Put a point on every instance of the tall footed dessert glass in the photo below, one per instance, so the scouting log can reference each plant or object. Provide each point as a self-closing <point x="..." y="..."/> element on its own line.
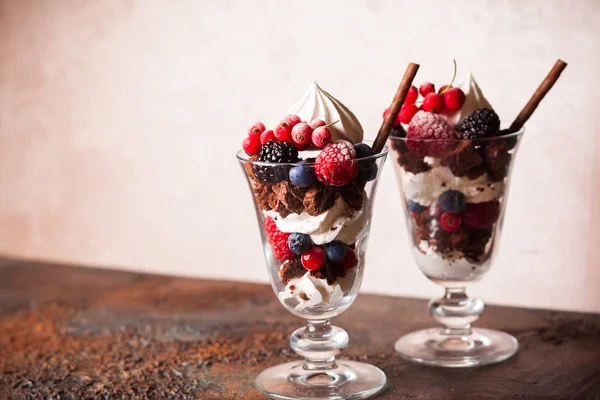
<point x="453" y="164"/>
<point x="313" y="181"/>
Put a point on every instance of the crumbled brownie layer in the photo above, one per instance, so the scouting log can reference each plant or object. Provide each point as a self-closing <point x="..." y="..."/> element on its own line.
<point x="286" y="198"/>
<point x="291" y="269"/>
<point x="497" y="158"/>
<point x="464" y="159"/>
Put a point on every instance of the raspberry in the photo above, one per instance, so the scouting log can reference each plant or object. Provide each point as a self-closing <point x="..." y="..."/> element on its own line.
<point x="321" y="136"/>
<point x="433" y="102"/>
<point x="481" y="123"/>
<point x="407" y="112"/>
<point x="350" y="260"/>
<point x="433" y="129"/>
<point x="313" y="259"/>
<point x="426" y="88"/>
<point x="292" y="119"/>
<point x="251" y="145"/>
<point x="267" y="136"/>
<point x="278" y="240"/>
<point x="256" y="129"/>
<point x="412" y="95"/>
<point x="481" y="215"/>
<point x="301" y="134"/>
<point x="283" y="132"/>
<point x="454" y="98"/>
<point x="275" y="152"/>
<point x="336" y="164"/>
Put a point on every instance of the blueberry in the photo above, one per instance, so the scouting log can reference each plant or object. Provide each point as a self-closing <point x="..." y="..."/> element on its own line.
<point x="368" y="175"/>
<point x="363" y="150"/>
<point x="302" y="175"/>
<point x="335" y="251"/>
<point x="299" y="243"/>
<point x="452" y="201"/>
<point x="415" y="207"/>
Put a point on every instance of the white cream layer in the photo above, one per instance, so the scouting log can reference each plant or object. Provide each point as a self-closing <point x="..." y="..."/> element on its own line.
<point x="340" y="222"/>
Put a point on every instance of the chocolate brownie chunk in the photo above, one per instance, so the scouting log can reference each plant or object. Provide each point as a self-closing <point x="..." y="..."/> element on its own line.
<point x="291" y="269"/>
<point x="353" y="195"/>
<point x="412" y="162"/>
<point x="497" y="159"/>
<point x="318" y="199"/>
<point x="463" y="158"/>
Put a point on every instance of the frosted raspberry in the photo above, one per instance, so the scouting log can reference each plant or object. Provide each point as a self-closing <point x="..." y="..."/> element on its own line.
<point x="336" y="164"/>
<point x="428" y="132"/>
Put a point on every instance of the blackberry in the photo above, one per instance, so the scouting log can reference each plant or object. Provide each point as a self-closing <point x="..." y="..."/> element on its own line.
<point x="275" y="153"/>
<point x="481" y="123"/>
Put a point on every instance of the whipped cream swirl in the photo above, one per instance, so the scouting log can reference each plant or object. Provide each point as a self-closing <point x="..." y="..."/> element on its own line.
<point x="317" y="103"/>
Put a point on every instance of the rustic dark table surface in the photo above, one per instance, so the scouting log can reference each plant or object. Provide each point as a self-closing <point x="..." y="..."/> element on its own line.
<point x="82" y="333"/>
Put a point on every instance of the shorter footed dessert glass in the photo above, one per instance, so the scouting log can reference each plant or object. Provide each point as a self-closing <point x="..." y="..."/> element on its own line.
<point x="454" y="195"/>
<point x="332" y="223"/>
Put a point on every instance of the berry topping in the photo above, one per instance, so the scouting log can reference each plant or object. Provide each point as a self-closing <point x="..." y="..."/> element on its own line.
<point x="302" y="175"/>
<point x="454" y="98"/>
<point x="267" y="136"/>
<point x="275" y="152"/>
<point x="369" y="173"/>
<point x="292" y="119"/>
<point x="315" y="123"/>
<point x="301" y="133"/>
<point x="313" y="259"/>
<point x="278" y="240"/>
<point x="256" y="129"/>
<point x="425" y="125"/>
<point x="433" y="102"/>
<point x="407" y="112"/>
<point x="350" y="260"/>
<point x="251" y="145"/>
<point x="452" y="201"/>
<point x="481" y="215"/>
<point x="450" y="222"/>
<point x="298" y="243"/>
<point x="398" y="131"/>
<point x="442" y="90"/>
<point x="283" y="132"/>
<point x="481" y="123"/>
<point x="426" y="88"/>
<point x="335" y="251"/>
<point x="414" y="207"/>
<point x="362" y="150"/>
<point x="321" y="136"/>
<point x="412" y="95"/>
<point x="335" y="164"/>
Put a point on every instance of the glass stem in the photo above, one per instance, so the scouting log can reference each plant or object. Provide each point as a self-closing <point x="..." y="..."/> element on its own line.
<point x="319" y="343"/>
<point x="456" y="311"/>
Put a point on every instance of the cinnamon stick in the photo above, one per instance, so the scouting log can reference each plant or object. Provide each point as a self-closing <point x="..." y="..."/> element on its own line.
<point x="392" y="114"/>
<point x="537" y="97"/>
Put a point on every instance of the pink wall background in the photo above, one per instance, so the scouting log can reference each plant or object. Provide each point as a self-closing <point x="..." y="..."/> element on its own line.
<point x="119" y="120"/>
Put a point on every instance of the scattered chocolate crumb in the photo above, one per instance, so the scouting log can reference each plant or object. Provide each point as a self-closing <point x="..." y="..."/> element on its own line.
<point x="292" y="287"/>
<point x="304" y="297"/>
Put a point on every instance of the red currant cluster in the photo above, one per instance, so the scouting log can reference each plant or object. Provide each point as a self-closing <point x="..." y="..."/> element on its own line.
<point x="290" y="129"/>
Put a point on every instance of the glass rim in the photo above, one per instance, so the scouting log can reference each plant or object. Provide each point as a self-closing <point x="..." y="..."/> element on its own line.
<point x="244" y="158"/>
<point x="460" y="140"/>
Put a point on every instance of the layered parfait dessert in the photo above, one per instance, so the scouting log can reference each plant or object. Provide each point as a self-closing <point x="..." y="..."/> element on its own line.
<point x="313" y="201"/>
<point x="452" y="165"/>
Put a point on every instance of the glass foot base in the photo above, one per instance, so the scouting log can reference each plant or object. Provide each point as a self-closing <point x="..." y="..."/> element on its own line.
<point x="350" y="380"/>
<point x="432" y="347"/>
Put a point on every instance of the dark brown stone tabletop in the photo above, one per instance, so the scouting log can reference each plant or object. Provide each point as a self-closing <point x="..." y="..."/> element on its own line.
<point x="83" y="333"/>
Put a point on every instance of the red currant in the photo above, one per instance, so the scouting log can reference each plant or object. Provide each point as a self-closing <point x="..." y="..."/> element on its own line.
<point x="350" y="260"/>
<point x="426" y="88"/>
<point x="433" y="102"/>
<point x="313" y="259"/>
<point x="450" y="222"/>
